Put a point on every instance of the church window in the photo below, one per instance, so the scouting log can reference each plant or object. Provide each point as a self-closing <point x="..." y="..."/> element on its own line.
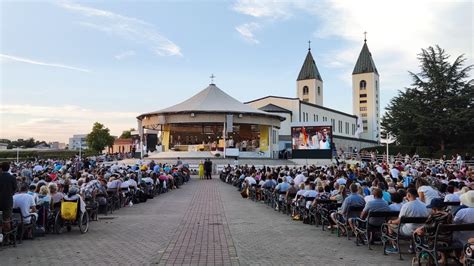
<point x="305" y="90"/>
<point x="363" y="108"/>
<point x="366" y="128"/>
<point x="347" y="128"/>
<point x="317" y="118"/>
<point x="364" y="121"/>
<point x="333" y="123"/>
<point x="363" y="95"/>
<point x="319" y="90"/>
<point x="363" y="101"/>
<point x="362" y="85"/>
<point x="314" y="118"/>
<point x="364" y="114"/>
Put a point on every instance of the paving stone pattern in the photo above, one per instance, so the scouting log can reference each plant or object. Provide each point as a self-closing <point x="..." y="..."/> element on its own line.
<point x="203" y="237"/>
<point x="205" y="222"/>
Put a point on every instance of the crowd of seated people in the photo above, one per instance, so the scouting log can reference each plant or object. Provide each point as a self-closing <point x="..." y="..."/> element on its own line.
<point x="362" y="199"/>
<point x="38" y="188"/>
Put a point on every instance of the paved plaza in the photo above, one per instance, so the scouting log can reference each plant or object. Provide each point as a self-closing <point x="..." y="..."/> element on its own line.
<point x="205" y="222"/>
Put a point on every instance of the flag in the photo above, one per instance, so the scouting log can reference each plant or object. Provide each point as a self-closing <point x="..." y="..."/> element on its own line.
<point x="360" y="127"/>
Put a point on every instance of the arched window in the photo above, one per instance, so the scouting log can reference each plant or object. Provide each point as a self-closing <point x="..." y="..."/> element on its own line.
<point x="305" y="90"/>
<point x="319" y="90"/>
<point x="362" y="84"/>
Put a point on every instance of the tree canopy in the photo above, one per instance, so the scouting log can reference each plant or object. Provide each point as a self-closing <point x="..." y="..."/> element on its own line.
<point x="437" y="109"/>
<point x="22" y="143"/>
<point x="99" y="138"/>
<point x="127" y="134"/>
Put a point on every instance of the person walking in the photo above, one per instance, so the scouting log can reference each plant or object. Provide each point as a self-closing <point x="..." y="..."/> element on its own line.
<point x="8" y="187"/>
<point x="208" y="168"/>
<point x="201" y="170"/>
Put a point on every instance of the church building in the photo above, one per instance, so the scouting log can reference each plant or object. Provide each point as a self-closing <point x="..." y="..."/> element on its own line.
<point x="357" y="130"/>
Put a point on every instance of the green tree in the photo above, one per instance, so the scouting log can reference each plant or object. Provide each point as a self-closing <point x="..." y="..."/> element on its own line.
<point x="99" y="138"/>
<point x="437" y="110"/>
<point x="127" y="134"/>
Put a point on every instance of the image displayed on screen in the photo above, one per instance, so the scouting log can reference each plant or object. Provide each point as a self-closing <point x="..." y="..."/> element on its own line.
<point x="311" y="138"/>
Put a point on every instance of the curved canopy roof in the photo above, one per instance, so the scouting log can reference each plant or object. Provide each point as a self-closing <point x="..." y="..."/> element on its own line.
<point x="212" y="100"/>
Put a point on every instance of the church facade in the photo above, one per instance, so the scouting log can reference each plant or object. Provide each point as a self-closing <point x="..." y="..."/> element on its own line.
<point x="357" y="130"/>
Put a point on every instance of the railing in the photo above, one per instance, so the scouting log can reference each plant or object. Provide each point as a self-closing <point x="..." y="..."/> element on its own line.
<point x="394" y="158"/>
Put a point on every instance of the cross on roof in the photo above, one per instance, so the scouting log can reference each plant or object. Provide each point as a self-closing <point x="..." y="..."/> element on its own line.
<point x="212" y="78"/>
<point x="309" y="45"/>
<point x="365" y="36"/>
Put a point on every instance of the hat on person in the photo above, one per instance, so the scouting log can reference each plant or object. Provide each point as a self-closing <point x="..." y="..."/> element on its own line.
<point x="437" y="203"/>
<point x="468" y="199"/>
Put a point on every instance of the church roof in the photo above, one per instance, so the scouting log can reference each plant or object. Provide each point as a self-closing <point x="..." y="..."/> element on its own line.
<point x="365" y="63"/>
<point x="274" y="109"/>
<point x="212" y="100"/>
<point x="309" y="70"/>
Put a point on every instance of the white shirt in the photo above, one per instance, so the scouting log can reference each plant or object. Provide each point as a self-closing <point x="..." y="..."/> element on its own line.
<point x="341" y="181"/>
<point x="369" y="198"/>
<point x="38" y="168"/>
<point x="24" y="202"/>
<point x="452" y="198"/>
<point x="250" y="180"/>
<point x="429" y="192"/>
<point x="395" y="173"/>
<point x="299" y="179"/>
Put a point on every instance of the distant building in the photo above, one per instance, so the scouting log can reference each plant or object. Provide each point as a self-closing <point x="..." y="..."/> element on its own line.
<point x="121" y="146"/>
<point x="55" y="145"/>
<point x="3" y="146"/>
<point x="78" y="141"/>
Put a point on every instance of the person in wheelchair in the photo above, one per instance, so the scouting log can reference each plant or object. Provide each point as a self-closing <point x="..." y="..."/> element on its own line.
<point x="73" y="195"/>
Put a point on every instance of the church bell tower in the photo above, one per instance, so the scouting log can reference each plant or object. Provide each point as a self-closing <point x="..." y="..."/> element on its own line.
<point x="366" y="94"/>
<point x="309" y="85"/>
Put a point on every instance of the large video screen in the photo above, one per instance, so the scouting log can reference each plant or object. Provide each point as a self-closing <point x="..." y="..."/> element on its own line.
<point x="311" y="141"/>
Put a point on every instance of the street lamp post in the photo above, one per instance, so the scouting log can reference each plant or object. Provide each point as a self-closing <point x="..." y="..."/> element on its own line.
<point x="17" y="154"/>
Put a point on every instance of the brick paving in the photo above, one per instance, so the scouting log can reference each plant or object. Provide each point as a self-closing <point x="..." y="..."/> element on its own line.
<point x="203" y="237"/>
<point x="205" y="222"/>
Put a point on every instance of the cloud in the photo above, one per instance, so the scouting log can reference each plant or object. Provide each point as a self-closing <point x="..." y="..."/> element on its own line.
<point x="125" y="54"/>
<point x="125" y="27"/>
<point x="397" y="30"/>
<point x="264" y="8"/>
<point x="247" y="31"/>
<point x="58" y="123"/>
<point x="34" y="62"/>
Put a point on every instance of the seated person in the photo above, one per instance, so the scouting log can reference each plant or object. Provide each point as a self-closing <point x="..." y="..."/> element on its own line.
<point x="353" y="200"/>
<point x="438" y="216"/>
<point x="465" y="216"/>
<point x="413" y="208"/>
<point x="311" y="193"/>
<point x="54" y="194"/>
<point x="73" y="194"/>
<point x="26" y="203"/>
<point x="43" y="196"/>
<point x="114" y="183"/>
<point x="377" y="204"/>
<point x="397" y="200"/>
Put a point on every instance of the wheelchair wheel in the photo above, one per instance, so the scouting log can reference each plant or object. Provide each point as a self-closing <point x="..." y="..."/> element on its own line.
<point x="84" y="223"/>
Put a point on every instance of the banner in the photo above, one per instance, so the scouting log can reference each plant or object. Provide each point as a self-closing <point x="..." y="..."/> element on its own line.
<point x="229" y="121"/>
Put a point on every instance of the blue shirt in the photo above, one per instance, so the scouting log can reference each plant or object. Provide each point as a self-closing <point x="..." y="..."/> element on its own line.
<point x="353" y="200"/>
<point x="282" y="187"/>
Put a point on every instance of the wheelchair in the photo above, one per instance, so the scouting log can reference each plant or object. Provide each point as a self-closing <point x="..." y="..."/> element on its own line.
<point x="81" y="220"/>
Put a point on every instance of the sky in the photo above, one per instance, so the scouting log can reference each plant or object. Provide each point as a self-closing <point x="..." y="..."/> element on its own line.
<point x="67" y="64"/>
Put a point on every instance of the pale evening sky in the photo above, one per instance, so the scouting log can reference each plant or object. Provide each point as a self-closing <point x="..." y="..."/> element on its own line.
<point x="67" y="64"/>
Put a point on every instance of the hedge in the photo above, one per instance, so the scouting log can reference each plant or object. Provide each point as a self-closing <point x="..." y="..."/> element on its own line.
<point x="42" y="154"/>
